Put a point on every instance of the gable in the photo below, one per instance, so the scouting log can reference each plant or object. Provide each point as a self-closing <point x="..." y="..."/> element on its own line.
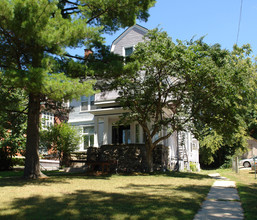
<point x="129" y="38"/>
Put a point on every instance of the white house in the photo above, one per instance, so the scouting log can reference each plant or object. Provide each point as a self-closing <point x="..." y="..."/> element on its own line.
<point x="95" y="116"/>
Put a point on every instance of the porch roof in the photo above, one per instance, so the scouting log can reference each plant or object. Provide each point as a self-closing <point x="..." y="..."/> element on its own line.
<point x="107" y="111"/>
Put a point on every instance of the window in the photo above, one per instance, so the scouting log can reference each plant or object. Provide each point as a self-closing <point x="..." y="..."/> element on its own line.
<point x="92" y="102"/>
<point x="47" y="120"/>
<point x="84" y="103"/>
<point x="87" y="103"/>
<point x="128" y="51"/>
<point x="88" y="137"/>
<point x="194" y="146"/>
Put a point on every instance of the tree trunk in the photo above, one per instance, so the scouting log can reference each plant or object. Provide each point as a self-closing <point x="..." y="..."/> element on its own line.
<point x="32" y="166"/>
<point x="149" y="159"/>
<point x="65" y="159"/>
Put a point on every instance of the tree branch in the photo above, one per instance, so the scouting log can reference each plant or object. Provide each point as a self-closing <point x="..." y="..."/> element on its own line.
<point x="98" y="15"/>
<point x="162" y="138"/>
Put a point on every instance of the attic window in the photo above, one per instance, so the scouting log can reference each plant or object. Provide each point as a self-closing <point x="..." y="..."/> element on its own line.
<point x="128" y="51"/>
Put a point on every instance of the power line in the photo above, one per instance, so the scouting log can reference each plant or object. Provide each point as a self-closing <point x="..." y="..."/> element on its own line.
<point x="239" y="22"/>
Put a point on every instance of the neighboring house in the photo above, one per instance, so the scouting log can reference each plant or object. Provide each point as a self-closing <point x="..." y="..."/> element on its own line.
<point x="95" y="116"/>
<point x="252" y="148"/>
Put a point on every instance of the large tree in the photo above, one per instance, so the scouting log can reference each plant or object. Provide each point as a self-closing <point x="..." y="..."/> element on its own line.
<point x="185" y="86"/>
<point x="34" y="35"/>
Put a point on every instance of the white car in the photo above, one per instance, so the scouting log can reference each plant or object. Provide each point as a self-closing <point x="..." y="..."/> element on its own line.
<point x="247" y="162"/>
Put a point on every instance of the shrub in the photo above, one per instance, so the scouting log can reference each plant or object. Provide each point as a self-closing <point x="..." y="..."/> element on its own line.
<point x="5" y="160"/>
<point x="18" y="161"/>
<point x="62" y="138"/>
<point x="193" y="167"/>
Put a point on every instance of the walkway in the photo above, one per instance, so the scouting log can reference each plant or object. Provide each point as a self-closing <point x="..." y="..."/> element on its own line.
<point x="222" y="201"/>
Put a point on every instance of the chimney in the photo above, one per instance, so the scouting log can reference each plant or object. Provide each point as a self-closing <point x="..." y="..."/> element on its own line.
<point x="87" y="53"/>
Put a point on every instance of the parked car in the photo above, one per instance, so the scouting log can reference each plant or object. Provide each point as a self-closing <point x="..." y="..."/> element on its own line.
<point x="247" y="162"/>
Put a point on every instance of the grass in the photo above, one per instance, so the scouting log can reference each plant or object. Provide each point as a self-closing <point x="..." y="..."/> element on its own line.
<point x="159" y="196"/>
<point x="246" y="186"/>
<point x="247" y="189"/>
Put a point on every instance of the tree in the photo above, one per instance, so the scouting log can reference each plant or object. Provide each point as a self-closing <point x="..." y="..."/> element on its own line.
<point x="217" y="149"/>
<point x="12" y="123"/>
<point x="34" y="35"/>
<point x="63" y="139"/>
<point x="168" y="87"/>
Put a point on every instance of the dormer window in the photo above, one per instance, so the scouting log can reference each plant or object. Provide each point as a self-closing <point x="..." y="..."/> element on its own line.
<point x="128" y="51"/>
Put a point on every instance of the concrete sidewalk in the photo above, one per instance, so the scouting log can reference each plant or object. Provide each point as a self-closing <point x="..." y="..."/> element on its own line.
<point x="222" y="201"/>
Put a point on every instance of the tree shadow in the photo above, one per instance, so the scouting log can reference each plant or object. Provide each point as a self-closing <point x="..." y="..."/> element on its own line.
<point x="15" y="178"/>
<point x="52" y="177"/>
<point x="186" y="175"/>
<point x="85" y="204"/>
<point x="248" y="197"/>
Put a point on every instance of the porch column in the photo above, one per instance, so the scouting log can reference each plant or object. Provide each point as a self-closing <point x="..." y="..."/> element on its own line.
<point x="105" y="134"/>
<point x="96" y="131"/>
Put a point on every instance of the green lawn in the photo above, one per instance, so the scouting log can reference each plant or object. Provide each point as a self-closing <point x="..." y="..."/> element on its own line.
<point x="164" y="196"/>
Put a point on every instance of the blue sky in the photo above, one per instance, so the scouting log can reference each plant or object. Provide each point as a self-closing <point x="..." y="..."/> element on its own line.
<point x="217" y="19"/>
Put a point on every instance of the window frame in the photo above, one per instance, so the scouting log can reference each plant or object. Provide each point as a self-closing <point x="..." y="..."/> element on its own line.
<point x="89" y="134"/>
<point x="47" y="120"/>
<point x="89" y="100"/>
<point x="124" y="50"/>
<point x="128" y="48"/>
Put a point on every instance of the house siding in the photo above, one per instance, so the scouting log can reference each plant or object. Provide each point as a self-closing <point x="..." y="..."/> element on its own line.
<point x="77" y="116"/>
<point x="133" y="37"/>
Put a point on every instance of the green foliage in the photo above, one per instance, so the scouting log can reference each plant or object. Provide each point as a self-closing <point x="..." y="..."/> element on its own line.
<point x="228" y="163"/>
<point x="188" y="85"/>
<point x="34" y="36"/>
<point x="211" y="144"/>
<point x="18" y="161"/>
<point x="12" y="123"/>
<point x="193" y="167"/>
<point x="62" y="138"/>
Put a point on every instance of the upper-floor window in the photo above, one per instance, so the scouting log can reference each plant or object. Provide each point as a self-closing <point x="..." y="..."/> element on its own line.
<point x="87" y="103"/>
<point x="128" y="51"/>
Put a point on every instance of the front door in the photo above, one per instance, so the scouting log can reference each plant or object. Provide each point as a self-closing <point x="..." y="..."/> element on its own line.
<point x="121" y="134"/>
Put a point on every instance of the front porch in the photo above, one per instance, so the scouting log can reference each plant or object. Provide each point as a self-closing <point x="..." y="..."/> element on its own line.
<point x="107" y="131"/>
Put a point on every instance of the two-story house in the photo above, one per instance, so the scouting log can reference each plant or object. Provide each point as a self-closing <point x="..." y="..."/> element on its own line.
<point x="95" y="116"/>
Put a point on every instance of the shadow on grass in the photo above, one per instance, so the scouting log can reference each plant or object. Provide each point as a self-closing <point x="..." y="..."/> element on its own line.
<point x="83" y="204"/>
<point x="248" y="198"/>
<point x="187" y="175"/>
<point x="15" y="178"/>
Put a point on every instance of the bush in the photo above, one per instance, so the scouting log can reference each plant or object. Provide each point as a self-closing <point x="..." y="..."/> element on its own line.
<point x="193" y="167"/>
<point x="18" y="161"/>
<point x="227" y="163"/>
<point x="5" y="161"/>
<point x="63" y="139"/>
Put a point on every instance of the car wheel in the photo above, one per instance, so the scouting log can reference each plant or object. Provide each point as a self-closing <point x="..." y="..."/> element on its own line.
<point x="247" y="164"/>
